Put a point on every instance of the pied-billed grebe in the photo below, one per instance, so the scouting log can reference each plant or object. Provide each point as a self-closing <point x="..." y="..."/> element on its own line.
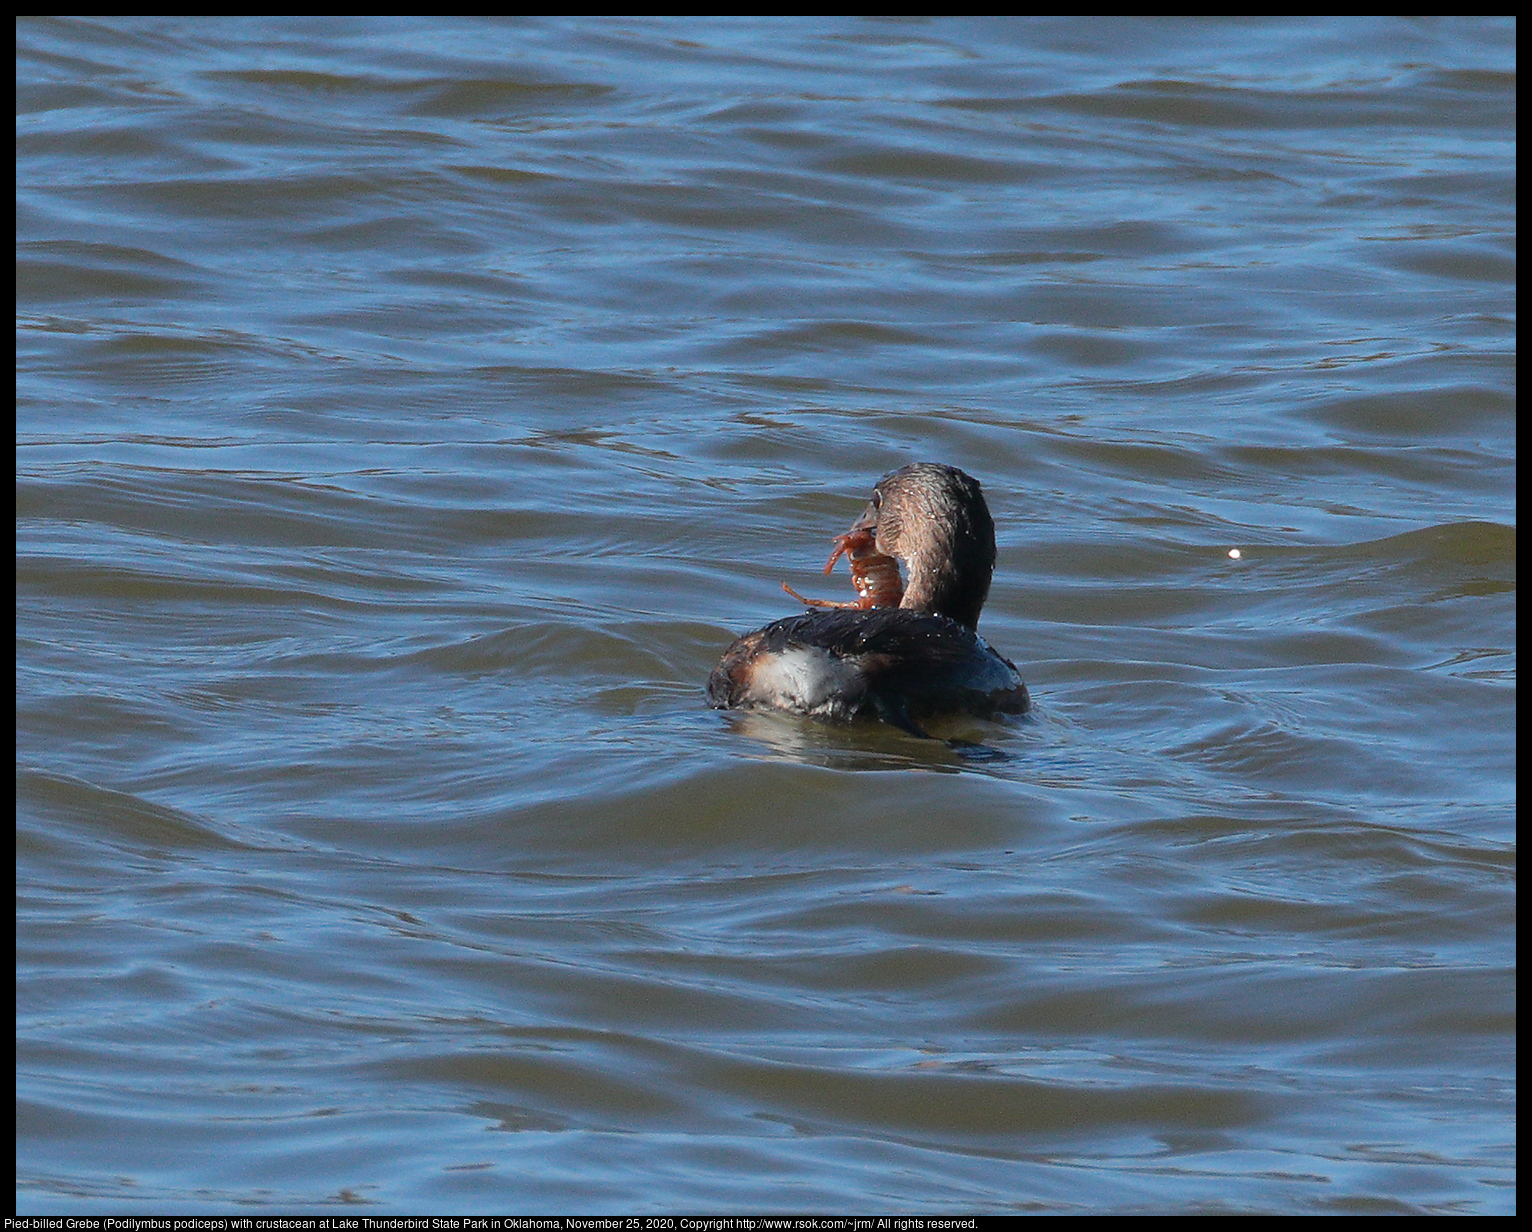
<point x="920" y="658"/>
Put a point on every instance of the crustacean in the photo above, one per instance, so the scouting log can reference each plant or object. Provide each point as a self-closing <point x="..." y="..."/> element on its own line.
<point x="875" y="576"/>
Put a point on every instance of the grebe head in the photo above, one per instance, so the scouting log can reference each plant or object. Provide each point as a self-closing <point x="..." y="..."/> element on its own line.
<point x="933" y="518"/>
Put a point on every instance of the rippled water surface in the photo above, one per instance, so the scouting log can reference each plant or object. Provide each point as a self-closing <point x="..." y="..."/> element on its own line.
<point x="412" y="410"/>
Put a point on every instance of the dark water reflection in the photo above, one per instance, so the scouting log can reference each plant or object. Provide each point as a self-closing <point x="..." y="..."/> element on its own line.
<point x="411" y="410"/>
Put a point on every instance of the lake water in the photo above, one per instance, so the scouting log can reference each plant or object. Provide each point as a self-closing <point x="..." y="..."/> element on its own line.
<point x="411" y="410"/>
